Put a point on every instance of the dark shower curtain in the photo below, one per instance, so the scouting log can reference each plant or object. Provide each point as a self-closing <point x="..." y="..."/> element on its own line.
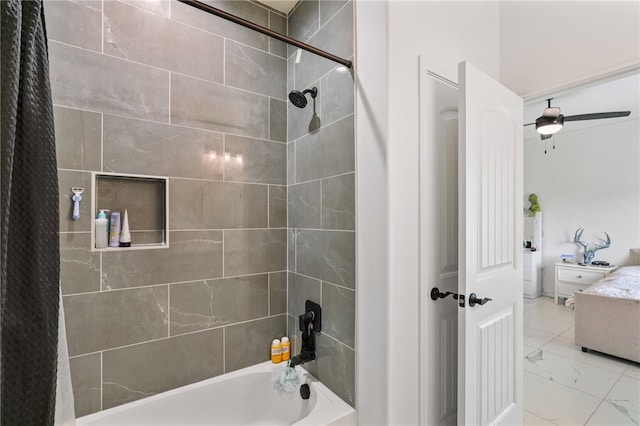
<point x="29" y="256"/>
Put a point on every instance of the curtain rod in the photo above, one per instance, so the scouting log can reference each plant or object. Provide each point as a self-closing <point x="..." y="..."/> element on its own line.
<point x="265" y="31"/>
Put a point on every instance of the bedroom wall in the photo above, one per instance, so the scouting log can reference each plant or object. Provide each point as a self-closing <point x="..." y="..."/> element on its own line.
<point x="591" y="180"/>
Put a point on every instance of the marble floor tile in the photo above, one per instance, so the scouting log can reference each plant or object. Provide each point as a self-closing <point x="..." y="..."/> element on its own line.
<point x="565" y="346"/>
<point x="625" y="399"/>
<point x="541" y="321"/>
<point x="556" y="403"/>
<point x="531" y="419"/>
<point x="575" y="374"/>
<point x="535" y="337"/>
<point x="633" y="371"/>
<point x="565" y="386"/>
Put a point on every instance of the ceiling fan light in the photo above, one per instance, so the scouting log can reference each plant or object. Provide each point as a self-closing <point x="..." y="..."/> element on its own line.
<point x="549" y="125"/>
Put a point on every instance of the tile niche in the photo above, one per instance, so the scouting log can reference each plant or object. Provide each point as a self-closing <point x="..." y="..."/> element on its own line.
<point x="144" y="198"/>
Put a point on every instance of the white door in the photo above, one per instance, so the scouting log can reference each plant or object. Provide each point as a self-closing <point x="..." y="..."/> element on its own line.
<point x="438" y="248"/>
<point x="490" y="255"/>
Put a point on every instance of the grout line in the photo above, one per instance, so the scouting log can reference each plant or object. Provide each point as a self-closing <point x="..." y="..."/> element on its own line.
<point x="101" y="380"/>
<point x="172" y="283"/>
<point x="223" y="251"/>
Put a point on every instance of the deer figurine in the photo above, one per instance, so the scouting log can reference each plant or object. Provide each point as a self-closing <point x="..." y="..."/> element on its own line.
<point x="590" y="253"/>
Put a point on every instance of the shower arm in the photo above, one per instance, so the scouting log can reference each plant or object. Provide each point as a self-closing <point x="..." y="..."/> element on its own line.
<point x="266" y="31"/>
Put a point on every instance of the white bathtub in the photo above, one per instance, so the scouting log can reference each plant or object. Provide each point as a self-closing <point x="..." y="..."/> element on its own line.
<point x="243" y="397"/>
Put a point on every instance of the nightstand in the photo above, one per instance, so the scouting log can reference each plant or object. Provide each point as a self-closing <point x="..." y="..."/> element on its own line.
<point x="571" y="277"/>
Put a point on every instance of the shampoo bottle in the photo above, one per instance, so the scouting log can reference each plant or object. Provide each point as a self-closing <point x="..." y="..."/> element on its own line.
<point x="114" y="230"/>
<point x="286" y="348"/>
<point x="102" y="229"/>
<point x="276" y="351"/>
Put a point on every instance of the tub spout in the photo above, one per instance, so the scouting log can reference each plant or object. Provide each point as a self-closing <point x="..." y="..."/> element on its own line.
<point x="304" y="356"/>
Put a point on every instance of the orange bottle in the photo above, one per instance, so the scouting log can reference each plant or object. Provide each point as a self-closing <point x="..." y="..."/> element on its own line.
<point x="276" y="351"/>
<point x="286" y="348"/>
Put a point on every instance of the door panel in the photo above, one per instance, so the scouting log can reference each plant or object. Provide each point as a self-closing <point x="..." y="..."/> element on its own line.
<point x="438" y="249"/>
<point x="490" y="229"/>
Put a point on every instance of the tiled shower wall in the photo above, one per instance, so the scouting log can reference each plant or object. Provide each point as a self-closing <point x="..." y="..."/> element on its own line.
<point x="153" y="88"/>
<point x="321" y="190"/>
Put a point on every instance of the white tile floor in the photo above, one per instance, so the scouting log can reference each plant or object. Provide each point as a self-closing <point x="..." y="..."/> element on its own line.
<point x="565" y="386"/>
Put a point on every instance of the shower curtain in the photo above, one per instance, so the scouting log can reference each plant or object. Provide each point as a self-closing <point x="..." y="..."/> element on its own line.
<point x="29" y="244"/>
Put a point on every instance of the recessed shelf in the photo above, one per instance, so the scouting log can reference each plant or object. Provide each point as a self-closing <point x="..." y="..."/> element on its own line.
<point x="146" y="200"/>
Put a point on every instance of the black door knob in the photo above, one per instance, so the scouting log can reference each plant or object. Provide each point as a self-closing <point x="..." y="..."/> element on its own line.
<point x="474" y="300"/>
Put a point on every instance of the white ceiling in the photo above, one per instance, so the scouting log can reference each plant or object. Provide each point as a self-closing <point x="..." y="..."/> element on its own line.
<point x="622" y="94"/>
<point x="284" y="6"/>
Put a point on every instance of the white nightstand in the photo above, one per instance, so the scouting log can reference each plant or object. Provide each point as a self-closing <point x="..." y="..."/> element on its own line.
<point x="572" y="277"/>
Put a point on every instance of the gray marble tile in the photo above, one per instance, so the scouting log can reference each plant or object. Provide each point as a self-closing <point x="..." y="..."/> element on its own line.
<point x="98" y="321"/>
<point x="291" y="68"/>
<point x="277" y="23"/>
<point x="213" y="303"/>
<point x="277" y="293"/>
<point x="147" y="237"/>
<point x="338" y="313"/>
<point x="304" y="21"/>
<point x="88" y="80"/>
<point x="79" y="267"/>
<point x="261" y="161"/>
<point x="338" y="202"/>
<point x="151" y="39"/>
<point x="303" y="121"/>
<point x="291" y="163"/>
<point x="254" y="251"/>
<point x="254" y="70"/>
<point x="304" y="205"/>
<point x="278" y="120"/>
<point x="336" y="36"/>
<point x="86" y="31"/>
<point x="196" y="204"/>
<point x="277" y="206"/>
<point x="294" y="334"/>
<point x="143" y="199"/>
<point x="249" y="343"/>
<point x="291" y="250"/>
<point x="86" y="373"/>
<point x="149" y="148"/>
<point x="160" y="7"/>
<point x="336" y="91"/>
<point x="244" y="9"/>
<point x="138" y="371"/>
<point x="328" y="152"/>
<point x="301" y="289"/>
<point x="335" y="367"/>
<point x="78" y="138"/>
<point x="327" y="255"/>
<point x="205" y="105"/>
<point x="328" y="8"/>
<point x="192" y="255"/>
<point x="67" y="180"/>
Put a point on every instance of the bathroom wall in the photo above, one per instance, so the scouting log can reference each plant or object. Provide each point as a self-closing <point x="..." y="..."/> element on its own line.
<point x="321" y="190"/>
<point x="154" y="88"/>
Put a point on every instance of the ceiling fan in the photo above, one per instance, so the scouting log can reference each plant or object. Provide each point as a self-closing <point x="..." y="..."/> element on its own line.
<point x="552" y="120"/>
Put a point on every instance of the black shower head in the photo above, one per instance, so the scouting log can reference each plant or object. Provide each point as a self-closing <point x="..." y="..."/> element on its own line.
<point x="299" y="99"/>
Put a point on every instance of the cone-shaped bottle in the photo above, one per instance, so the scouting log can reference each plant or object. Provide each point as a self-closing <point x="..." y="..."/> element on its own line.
<point x="125" y="235"/>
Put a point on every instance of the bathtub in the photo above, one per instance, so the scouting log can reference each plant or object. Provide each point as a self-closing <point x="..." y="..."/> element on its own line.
<point x="243" y="397"/>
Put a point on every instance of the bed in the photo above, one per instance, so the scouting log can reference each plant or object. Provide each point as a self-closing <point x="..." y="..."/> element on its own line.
<point x="607" y="315"/>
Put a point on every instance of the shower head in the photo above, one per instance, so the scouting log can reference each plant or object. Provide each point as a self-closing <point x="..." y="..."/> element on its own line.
<point x="299" y="99"/>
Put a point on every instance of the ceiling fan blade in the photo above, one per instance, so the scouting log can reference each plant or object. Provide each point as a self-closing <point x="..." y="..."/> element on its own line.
<point x="597" y="115"/>
<point x="529" y="124"/>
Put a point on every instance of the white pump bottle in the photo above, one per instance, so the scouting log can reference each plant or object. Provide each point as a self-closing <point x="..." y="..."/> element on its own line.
<point x="102" y="230"/>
